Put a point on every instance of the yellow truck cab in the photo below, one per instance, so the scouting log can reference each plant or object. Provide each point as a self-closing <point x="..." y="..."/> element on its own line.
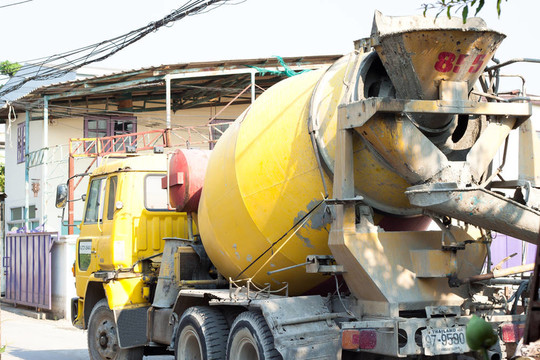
<point x="125" y="220"/>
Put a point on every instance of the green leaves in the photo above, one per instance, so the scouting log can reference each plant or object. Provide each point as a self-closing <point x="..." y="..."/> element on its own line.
<point x="2" y="186"/>
<point x="465" y="13"/>
<point x="9" y="68"/>
<point x="480" y="6"/>
<point x="454" y="6"/>
<point x="499" y="7"/>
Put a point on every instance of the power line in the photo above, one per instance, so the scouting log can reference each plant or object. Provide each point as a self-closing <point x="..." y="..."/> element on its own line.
<point x="60" y="64"/>
<point x="17" y="3"/>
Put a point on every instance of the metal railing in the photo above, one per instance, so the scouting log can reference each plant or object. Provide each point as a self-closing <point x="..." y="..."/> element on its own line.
<point x="95" y="147"/>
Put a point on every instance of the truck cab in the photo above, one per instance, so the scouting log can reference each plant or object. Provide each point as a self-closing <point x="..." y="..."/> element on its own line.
<point x="126" y="217"/>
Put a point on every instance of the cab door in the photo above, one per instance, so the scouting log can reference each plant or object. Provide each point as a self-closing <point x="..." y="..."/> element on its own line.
<point x="94" y="239"/>
<point x="107" y="240"/>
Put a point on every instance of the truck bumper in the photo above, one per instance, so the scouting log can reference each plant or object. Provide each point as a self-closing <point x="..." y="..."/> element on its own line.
<point x="405" y="337"/>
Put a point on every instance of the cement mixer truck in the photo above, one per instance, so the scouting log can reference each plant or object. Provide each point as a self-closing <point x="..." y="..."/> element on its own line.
<point x="303" y="234"/>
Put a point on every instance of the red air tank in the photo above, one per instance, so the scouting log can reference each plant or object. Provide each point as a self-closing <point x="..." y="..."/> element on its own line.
<point x="187" y="168"/>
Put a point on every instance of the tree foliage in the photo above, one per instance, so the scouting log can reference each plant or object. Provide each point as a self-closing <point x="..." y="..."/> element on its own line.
<point x="9" y="68"/>
<point x="457" y="6"/>
<point x="2" y="178"/>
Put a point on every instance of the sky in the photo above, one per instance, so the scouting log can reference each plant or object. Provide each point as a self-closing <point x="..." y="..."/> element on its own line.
<point x="248" y="29"/>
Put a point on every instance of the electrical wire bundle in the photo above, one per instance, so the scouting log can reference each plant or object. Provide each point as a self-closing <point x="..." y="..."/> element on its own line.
<point x="60" y="64"/>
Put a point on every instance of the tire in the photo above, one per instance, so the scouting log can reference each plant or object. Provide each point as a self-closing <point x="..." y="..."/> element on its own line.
<point x="250" y="339"/>
<point x="102" y="336"/>
<point x="231" y="313"/>
<point x="202" y="335"/>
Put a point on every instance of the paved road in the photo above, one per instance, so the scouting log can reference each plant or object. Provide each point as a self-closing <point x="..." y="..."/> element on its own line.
<point x="30" y="339"/>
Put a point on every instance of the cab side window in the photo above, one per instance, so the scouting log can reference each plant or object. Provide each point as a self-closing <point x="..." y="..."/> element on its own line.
<point x="155" y="198"/>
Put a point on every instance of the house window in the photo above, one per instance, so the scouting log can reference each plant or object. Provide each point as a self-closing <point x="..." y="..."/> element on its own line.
<point x="217" y="128"/>
<point x="104" y="125"/>
<point x="21" y="142"/>
<point x="17" y="218"/>
<point x="99" y="126"/>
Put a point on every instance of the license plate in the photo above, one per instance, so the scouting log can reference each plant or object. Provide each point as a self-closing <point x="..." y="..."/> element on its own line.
<point x="440" y="341"/>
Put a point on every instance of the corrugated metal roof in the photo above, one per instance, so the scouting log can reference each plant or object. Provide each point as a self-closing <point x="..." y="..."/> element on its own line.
<point x="34" y="91"/>
<point x="196" y="84"/>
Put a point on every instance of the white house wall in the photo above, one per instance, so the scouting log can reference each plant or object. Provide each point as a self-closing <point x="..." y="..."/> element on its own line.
<point x="60" y="131"/>
<point x="15" y="173"/>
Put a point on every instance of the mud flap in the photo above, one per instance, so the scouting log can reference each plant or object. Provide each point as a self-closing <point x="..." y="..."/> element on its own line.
<point x="131" y="326"/>
<point x="302" y="327"/>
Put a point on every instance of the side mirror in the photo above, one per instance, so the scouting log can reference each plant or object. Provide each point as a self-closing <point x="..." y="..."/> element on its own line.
<point x="61" y="196"/>
<point x="83" y="197"/>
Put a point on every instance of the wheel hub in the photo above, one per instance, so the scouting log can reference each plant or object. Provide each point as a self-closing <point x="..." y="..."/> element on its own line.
<point x="106" y="338"/>
<point x="103" y="340"/>
<point x="247" y="349"/>
<point x="190" y="345"/>
<point x="244" y="346"/>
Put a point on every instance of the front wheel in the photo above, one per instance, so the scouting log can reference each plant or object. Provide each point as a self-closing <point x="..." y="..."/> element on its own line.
<point x="251" y="339"/>
<point x="103" y="339"/>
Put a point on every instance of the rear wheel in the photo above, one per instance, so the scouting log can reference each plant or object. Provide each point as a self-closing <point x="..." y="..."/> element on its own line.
<point x="103" y="339"/>
<point x="202" y="334"/>
<point x="251" y="339"/>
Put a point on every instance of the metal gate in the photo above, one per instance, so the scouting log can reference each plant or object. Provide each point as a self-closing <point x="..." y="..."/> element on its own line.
<point x="27" y="264"/>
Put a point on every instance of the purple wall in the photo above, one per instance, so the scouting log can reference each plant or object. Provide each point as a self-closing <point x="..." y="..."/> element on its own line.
<point x="503" y="246"/>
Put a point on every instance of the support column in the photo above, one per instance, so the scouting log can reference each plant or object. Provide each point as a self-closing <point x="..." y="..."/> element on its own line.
<point x="252" y="87"/>
<point x="44" y="175"/>
<point x="71" y="192"/>
<point x="168" y="108"/>
<point x="26" y="171"/>
<point x="168" y="99"/>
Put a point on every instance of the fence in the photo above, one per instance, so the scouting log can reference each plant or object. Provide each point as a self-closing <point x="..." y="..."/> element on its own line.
<point x="27" y="264"/>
